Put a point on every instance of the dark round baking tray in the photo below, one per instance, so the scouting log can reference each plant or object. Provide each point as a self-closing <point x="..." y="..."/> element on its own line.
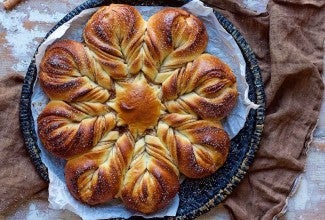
<point x="196" y="196"/>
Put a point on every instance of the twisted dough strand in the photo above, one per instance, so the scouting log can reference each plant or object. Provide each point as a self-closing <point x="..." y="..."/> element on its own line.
<point x="152" y="179"/>
<point x="96" y="176"/>
<point x="68" y="73"/>
<point x="200" y="147"/>
<point x="67" y="130"/>
<point x="206" y="87"/>
<point x="115" y="34"/>
<point x="174" y="37"/>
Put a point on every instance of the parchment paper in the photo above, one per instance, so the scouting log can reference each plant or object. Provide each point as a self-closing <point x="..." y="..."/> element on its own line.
<point x="220" y="44"/>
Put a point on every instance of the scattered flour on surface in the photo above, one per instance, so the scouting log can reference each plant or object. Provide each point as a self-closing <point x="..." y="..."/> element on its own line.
<point x="45" y="17"/>
<point x="22" y="41"/>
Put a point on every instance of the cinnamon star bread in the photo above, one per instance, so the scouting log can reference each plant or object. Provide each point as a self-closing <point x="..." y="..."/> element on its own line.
<point x="135" y="105"/>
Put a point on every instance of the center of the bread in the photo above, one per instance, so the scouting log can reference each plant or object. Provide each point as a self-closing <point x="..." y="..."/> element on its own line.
<point x="137" y="105"/>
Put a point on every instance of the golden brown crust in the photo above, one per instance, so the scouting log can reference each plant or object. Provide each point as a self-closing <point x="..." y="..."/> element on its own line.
<point x="200" y="147"/>
<point x="67" y="130"/>
<point x="135" y="106"/>
<point x="174" y="37"/>
<point x="205" y="87"/>
<point x="67" y="73"/>
<point x="96" y="177"/>
<point x="152" y="179"/>
<point x="115" y="34"/>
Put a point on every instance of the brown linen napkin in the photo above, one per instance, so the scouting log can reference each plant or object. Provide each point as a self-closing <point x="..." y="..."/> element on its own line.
<point x="18" y="178"/>
<point x="288" y="42"/>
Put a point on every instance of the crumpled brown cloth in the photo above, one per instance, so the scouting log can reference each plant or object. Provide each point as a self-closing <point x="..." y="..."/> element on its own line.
<point x="288" y="43"/>
<point x="18" y="177"/>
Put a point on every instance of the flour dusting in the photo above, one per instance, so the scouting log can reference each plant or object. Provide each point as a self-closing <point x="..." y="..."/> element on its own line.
<point x="45" y="17"/>
<point x="22" y="39"/>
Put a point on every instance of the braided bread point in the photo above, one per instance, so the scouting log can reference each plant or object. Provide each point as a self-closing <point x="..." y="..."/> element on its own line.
<point x="152" y="179"/>
<point x="67" y="130"/>
<point x="205" y="87"/>
<point x="68" y="73"/>
<point x="174" y="37"/>
<point x="115" y="34"/>
<point x="200" y="147"/>
<point x="96" y="176"/>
